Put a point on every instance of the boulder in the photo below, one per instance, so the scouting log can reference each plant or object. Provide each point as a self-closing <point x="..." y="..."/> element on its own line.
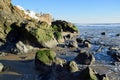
<point x="71" y="43"/>
<point x="1" y="67"/>
<point x="48" y="64"/>
<point x="79" y="40"/>
<point x="87" y="44"/>
<point x="43" y="34"/>
<point x="73" y="66"/>
<point x="64" y="26"/>
<point x="118" y="35"/>
<point x="21" y="47"/>
<point x="114" y="53"/>
<point x="45" y="57"/>
<point x="88" y="74"/>
<point x="51" y="67"/>
<point x="84" y="58"/>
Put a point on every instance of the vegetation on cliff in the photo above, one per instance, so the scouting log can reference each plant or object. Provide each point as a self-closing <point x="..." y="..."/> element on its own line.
<point x="16" y="26"/>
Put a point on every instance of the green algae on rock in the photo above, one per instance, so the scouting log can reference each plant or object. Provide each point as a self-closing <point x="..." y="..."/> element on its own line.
<point x="43" y="34"/>
<point x="46" y="56"/>
<point x="64" y="26"/>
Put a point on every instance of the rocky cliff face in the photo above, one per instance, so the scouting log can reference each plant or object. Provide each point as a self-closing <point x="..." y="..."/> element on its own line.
<point x="8" y="15"/>
<point x="16" y="26"/>
<point x="46" y="18"/>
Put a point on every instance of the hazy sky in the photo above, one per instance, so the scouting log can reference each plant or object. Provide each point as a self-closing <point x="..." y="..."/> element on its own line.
<point x="76" y="11"/>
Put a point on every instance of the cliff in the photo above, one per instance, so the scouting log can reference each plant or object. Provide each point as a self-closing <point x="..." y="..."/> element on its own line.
<point x="19" y="28"/>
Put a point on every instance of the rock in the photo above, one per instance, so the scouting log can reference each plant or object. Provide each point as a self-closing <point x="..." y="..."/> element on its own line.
<point x="44" y="60"/>
<point x="46" y="18"/>
<point x="64" y="26"/>
<point x="114" y="53"/>
<point x="118" y="35"/>
<point x="1" y="67"/>
<point x="51" y="67"/>
<point x="103" y="33"/>
<point x="7" y="17"/>
<point x="68" y="37"/>
<point x="46" y="57"/>
<point x="87" y="44"/>
<point x="79" y="40"/>
<point x="3" y="54"/>
<point x="88" y="74"/>
<point x="58" y="36"/>
<point x="59" y="61"/>
<point x="84" y="58"/>
<point x="73" y="66"/>
<point x="16" y="26"/>
<point x="43" y="34"/>
<point x="21" y="47"/>
<point x="71" y="43"/>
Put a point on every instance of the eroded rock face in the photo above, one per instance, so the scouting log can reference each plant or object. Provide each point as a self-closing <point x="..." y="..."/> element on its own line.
<point x="16" y="26"/>
<point x="46" y="18"/>
<point x="8" y="15"/>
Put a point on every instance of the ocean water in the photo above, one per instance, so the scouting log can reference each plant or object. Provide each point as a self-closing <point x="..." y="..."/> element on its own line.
<point x="97" y="29"/>
<point x="93" y="34"/>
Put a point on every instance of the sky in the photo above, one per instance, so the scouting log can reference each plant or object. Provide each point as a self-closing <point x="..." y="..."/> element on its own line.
<point x="76" y="11"/>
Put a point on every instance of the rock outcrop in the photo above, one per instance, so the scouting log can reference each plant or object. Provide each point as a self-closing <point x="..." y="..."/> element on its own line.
<point x="16" y="25"/>
<point x="46" y="18"/>
<point x="64" y="26"/>
<point x="8" y="15"/>
<point x="51" y="67"/>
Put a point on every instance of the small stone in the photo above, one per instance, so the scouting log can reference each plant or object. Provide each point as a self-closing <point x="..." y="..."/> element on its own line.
<point x="103" y="33"/>
<point x="73" y="66"/>
<point x="1" y="67"/>
<point x="87" y="44"/>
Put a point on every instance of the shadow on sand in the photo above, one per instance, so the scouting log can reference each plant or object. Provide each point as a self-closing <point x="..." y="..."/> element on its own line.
<point x="19" y="70"/>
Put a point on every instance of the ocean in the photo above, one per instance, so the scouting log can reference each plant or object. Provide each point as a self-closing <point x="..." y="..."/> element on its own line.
<point x="93" y="32"/>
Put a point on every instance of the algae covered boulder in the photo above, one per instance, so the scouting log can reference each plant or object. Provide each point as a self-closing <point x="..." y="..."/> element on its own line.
<point x="45" y="57"/>
<point x="43" y="33"/>
<point x="64" y="26"/>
